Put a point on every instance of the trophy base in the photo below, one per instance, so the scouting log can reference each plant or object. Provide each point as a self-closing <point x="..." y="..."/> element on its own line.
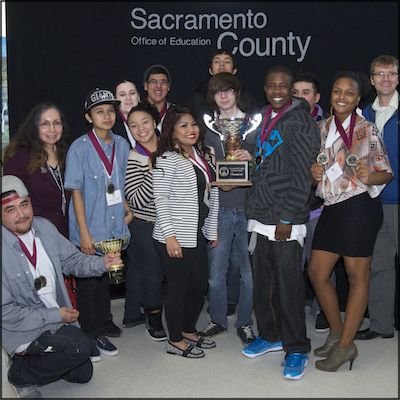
<point x="232" y="183"/>
<point x="116" y="276"/>
<point x="232" y="173"/>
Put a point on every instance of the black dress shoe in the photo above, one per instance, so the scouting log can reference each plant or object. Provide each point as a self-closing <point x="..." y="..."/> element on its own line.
<point x="368" y="334"/>
<point x="112" y="330"/>
<point x="131" y="322"/>
<point x="231" y="310"/>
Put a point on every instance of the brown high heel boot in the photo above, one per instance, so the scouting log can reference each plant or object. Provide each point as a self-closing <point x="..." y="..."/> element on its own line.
<point x="337" y="357"/>
<point x="331" y="340"/>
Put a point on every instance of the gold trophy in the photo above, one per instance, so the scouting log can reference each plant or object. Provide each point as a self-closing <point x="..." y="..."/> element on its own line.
<point x="116" y="272"/>
<point x="231" y="171"/>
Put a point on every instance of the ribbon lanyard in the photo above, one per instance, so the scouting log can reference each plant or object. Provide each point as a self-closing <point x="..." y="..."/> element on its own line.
<point x="142" y="150"/>
<point x="268" y="112"/>
<point x="107" y="164"/>
<point x="202" y="164"/>
<point x="60" y="186"/>
<point x="128" y="131"/>
<point x="346" y="139"/>
<point x="31" y="257"/>
<point x="315" y="112"/>
<point x="122" y="116"/>
<point x="163" y="110"/>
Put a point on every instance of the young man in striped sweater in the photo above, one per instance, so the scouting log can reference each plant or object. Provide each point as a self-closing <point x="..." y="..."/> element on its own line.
<point x="277" y="209"/>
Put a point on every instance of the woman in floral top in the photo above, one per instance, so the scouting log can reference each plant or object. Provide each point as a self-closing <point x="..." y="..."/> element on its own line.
<point x="351" y="164"/>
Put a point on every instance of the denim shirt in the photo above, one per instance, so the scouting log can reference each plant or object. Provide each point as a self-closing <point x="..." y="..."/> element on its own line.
<point x="85" y="172"/>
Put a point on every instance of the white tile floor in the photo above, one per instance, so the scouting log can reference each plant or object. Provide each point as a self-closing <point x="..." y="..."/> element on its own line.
<point x="143" y="369"/>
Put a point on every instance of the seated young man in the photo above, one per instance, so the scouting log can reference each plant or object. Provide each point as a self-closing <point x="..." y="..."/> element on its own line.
<point x="39" y="330"/>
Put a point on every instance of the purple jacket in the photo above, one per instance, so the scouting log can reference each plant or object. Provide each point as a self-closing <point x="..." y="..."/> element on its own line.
<point x="45" y="195"/>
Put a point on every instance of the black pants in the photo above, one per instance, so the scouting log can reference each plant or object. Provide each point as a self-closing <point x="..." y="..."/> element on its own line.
<point x="94" y="303"/>
<point x="145" y="274"/>
<point x="279" y="294"/>
<point x="187" y="280"/>
<point x="69" y="359"/>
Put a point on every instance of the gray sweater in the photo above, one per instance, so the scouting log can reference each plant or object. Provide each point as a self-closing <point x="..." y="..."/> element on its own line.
<point x="234" y="198"/>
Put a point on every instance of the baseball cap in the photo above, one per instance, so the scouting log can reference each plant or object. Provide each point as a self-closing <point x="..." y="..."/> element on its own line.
<point x="11" y="182"/>
<point x="100" y="96"/>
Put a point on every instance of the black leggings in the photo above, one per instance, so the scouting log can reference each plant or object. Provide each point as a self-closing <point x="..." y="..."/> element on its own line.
<point x="187" y="280"/>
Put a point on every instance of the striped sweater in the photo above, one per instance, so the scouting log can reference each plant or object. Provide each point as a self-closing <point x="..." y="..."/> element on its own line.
<point x="282" y="184"/>
<point x="176" y="200"/>
<point x="139" y="187"/>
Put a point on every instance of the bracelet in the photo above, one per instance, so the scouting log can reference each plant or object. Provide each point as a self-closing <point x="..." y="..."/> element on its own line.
<point x="283" y="221"/>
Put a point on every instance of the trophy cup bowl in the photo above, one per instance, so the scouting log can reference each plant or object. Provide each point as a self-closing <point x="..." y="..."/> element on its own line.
<point x="230" y="130"/>
<point x="231" y="171"/>
<point x="115" y="245"/>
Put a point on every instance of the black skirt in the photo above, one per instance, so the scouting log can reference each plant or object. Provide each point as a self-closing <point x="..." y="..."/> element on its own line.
<point x="349" y="228"/>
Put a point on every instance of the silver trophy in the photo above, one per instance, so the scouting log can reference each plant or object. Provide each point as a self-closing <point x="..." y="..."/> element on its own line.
<point x="115" y="273"/>
<point x="231" y="171"/>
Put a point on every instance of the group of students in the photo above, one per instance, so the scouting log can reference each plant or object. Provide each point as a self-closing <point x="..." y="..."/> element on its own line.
<point x="144" y="171"/>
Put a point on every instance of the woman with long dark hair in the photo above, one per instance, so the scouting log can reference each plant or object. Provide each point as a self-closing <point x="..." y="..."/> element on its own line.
<point x="186" y="220"/>
<point x="36" y="155"/>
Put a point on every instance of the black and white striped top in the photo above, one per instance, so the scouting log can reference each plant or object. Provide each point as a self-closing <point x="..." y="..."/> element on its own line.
<point x="176" y="200"/>
<point x="139" y="187"/>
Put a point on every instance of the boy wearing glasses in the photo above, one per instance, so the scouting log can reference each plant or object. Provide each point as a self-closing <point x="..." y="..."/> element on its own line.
<point x="157" y="84"/>
<point x="384" y="75"/>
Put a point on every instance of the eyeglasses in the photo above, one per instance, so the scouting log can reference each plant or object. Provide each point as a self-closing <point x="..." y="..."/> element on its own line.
<point x="386" y="74"/>
<point x="225" y="92"/>
<point x="46" y="125"/>
<point x="154" y="82"/>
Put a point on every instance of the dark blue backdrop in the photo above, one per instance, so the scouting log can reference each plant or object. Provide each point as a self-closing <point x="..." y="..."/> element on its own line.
<point x="59" y="51"/>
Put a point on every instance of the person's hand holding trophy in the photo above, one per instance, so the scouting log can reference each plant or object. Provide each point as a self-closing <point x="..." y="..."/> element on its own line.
<point x="233" y="170"/>
<point x="112" y="257"/>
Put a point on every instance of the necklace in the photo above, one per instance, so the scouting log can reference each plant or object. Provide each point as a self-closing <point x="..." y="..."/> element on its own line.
<point x="40" y="281"/>
<point x="56" y="174"/>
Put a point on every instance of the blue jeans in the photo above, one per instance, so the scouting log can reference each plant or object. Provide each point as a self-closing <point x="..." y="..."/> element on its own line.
<point x="233" y="276"/>
<point x="232" y="231"/>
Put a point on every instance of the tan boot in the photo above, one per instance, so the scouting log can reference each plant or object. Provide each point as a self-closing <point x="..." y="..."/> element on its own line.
<point x="331" y="340"/>
<point x="337" y="357"/>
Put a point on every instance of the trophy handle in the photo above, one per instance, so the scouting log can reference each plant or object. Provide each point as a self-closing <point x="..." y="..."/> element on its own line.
<point x="210" y="125"/>
<point x="254" y="122"/>
<point x="125" y="243"/>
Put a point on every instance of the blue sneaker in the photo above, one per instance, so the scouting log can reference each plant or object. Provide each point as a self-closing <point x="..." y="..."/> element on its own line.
<point x="294" y="365"/>
<point x="95" y="356"/>
<point x="260" y="346"/>
<point x="105" y="347"/>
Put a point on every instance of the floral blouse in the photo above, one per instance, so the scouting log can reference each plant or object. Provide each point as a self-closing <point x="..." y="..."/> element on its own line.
<point x="367" y="145"/>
